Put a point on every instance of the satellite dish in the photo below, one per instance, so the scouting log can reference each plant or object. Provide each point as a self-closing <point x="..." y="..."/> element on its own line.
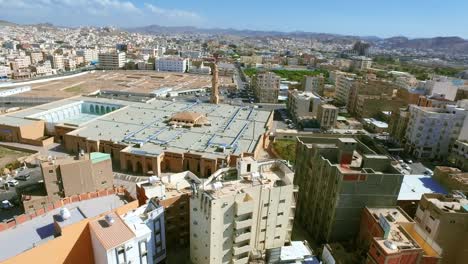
<point x="390" y="245"/>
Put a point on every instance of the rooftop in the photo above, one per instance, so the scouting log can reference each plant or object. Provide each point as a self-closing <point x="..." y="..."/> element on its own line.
<point x="414" y="186"/>
<point x="41" y="228"/>
<point x="449" y="203"/>
<point x="112" y="233"/>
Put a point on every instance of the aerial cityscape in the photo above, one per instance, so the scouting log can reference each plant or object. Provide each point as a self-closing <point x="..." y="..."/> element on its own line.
<point x="251" y="132"/>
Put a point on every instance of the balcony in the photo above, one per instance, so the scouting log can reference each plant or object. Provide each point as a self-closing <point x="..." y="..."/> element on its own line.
<point x="243" y="260"/>
<point x="242" y="224"/>
<point x="241" y="250"/>
<point x="242" y="237"/>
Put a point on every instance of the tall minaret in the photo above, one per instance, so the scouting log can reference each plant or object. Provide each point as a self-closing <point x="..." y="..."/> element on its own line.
<point x="214" y="83"/>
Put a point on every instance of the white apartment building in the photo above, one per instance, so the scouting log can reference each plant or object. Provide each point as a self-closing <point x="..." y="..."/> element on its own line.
<point x="69" y="64"/>
<point x="449" y="88"/>
<point x="171" y="64"/>
<point x="266" y="87"/>
<point x="234" y="213"/>
<point x="135" y="237"/>
<point x="89" y="55"/>
<point x="432" y="131"/>
<point x="343" y="85"/>
<point x="112" y="60"/>
<point x="362" y="63"/>
<point x="314" y="84"/>
<point x="36" y="57"/>
<point x="57" y="62"/>
<point x="21" y="62"/>
<point x="303" y="104"/>
<point x="152" y="52"/>
<point x="5" y="72"/>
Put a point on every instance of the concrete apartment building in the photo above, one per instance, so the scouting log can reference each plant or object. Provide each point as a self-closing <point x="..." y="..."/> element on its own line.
<point x="459" y="154"/>
<point x="36" y="57"/>
<point x="266" y="87"/>
<point x="389" y="235"/>
<point x="89" y="55"/>
<point x="112" y="60"/>
<point x="314" y="84"/>
<point x="344" y="83"/>
<point x="57" y="62"/>
<point x="444" y="220"/>
<point x="235" y="214"/>
<point x="450" y="88"/>
<point x="72" y="176"/>
<point x="171" y="64"/>
<point x="432" y="131"/>
<point x="327" y="115"/>
<point x="69" y="64"/>
<point x="137" y="236"/>
<point x="303" y="104"/>
<point x="338" y="177"/>
<point x="361" y="63"/>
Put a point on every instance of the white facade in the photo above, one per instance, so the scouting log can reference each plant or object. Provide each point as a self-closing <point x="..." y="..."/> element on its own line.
<point x="171" y="64"/>
<point x="136" y="237"/>
<point x="253" y="211"/>
<point x="314" y="84"/>
<point x="343" y="85"/>
<point x="431" y="131"/>
<point x="57" y="62"/>
<point x="303" y="104"/>
<point x="88" y="54"/>
<point x="447" y="87"/>
<point x="112" y="60"/>
<point x="36" y="57"/>
<point x="5" y="71"/>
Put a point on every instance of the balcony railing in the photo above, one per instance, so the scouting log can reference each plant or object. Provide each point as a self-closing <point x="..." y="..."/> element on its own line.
<point x="241" y="250"/>
<point x="242" y="224"/>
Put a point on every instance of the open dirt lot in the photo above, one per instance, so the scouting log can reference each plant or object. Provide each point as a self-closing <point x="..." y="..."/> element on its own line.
<point x="130" y="81"/>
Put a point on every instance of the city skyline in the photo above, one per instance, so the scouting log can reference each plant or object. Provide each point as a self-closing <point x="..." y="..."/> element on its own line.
<point x="416" y="19"/>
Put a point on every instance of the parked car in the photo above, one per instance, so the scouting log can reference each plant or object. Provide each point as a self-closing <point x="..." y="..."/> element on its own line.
<point x="23" y="177"/>
<point x="428" y="172"/>
<point x="6" y="205"/>
<point x="409" y="161"/>
<point x="12" y="183"/>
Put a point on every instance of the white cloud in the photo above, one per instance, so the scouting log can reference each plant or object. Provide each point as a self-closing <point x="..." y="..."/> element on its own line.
<point x="93" y="12"/>
<point x="173" y="13"/>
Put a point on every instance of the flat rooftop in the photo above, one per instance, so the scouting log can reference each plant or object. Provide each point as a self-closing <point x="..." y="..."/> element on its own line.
<point x="129" y="81"/>
<point x="414" y="186"/>
<point x="231" y="129"/>
<point x="41" y="229"/>
<point x="449" y="203"/>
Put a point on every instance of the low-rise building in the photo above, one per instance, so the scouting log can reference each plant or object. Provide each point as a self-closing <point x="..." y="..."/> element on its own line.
<point x="459" y="154"/>
<point x="452" y="179"/>
<point x="112" y="60"/>
<point x="171" y="64"/>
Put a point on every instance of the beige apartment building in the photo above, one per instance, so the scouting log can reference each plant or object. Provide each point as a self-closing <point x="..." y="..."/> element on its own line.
<point x="266" y="87"/>
<point x="444" y="220"/>
<point x="344" y="83"/>
<point x="235" y="214"/>
<point x="314" y="84"/>
<point x="72" y="176"/>
<point x="112" y="60"/>
<point x="327" y="115"/>
<point x="303" y="104"/>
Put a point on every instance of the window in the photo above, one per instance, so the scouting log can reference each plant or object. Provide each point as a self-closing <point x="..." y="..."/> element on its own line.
<point x="263" y="230"/>
<point x="280" y="214"/>
<point x="266" y="204"/>
<point x="277" y="237"/>
<point x="120" y="254"/>
<point x="143" y="252"/>
<point x="51" y="171"/>
<point x="278" y="226"/>
<point x="282" y="201"/>
<point x="428" y="229"/>
<point x="249" y="167"/>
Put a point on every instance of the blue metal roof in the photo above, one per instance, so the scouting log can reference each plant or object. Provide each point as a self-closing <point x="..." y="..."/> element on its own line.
<point x="414" y="186"/>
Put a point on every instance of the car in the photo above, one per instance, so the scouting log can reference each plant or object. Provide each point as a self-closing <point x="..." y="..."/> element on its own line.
<point x="409" y="161"/>
<point x="23" y="177"/>
<point x="428" y="172"/>
<point x="12" y="183"/>
<point x="6" y="205"/>
<point x="401" y="161"/>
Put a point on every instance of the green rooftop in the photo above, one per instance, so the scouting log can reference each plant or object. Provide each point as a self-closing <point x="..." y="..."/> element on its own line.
<point x="98" y="157"/>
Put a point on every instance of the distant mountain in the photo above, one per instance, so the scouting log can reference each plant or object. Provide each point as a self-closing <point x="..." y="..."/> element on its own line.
<point x="452" y="44"/>
<point x="6" y="23"/>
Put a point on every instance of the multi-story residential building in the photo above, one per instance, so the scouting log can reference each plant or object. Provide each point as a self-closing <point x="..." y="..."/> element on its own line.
<point x="90" y="55"/>
<point x="450" y="88"/>
<point x="327" y="115"/>
<point x="314" y="84"/>
<point x="171" y="64"/>
<point x="362" y="63"/>
<point x="459" y="154"/>
<point x="73" y="176"/>
<point x="338" y="178"/>
<point x="398" y="124"/>
<point x="112" y="60"/>
<point x="390" y="237"/>
<point x="57" y="62"/>
<point x="36" y="57"/>
<point x="43" y="69"/>
<point x="444" y="220"/>
<point x="431" y="131"/>
<point x="303" y="104"/>
<point x="5" y="72"/>
<point x="452" y="179"/>
<point x="343" y="85"/>
<point x="235" y="213"/>
<point x="69" y="64"/>
<point x="20" y="62"/>
<point x="266" y="87"/>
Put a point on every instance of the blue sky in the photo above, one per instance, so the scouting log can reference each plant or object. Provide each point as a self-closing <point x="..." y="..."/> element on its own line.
<point x="413" y="18"/>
